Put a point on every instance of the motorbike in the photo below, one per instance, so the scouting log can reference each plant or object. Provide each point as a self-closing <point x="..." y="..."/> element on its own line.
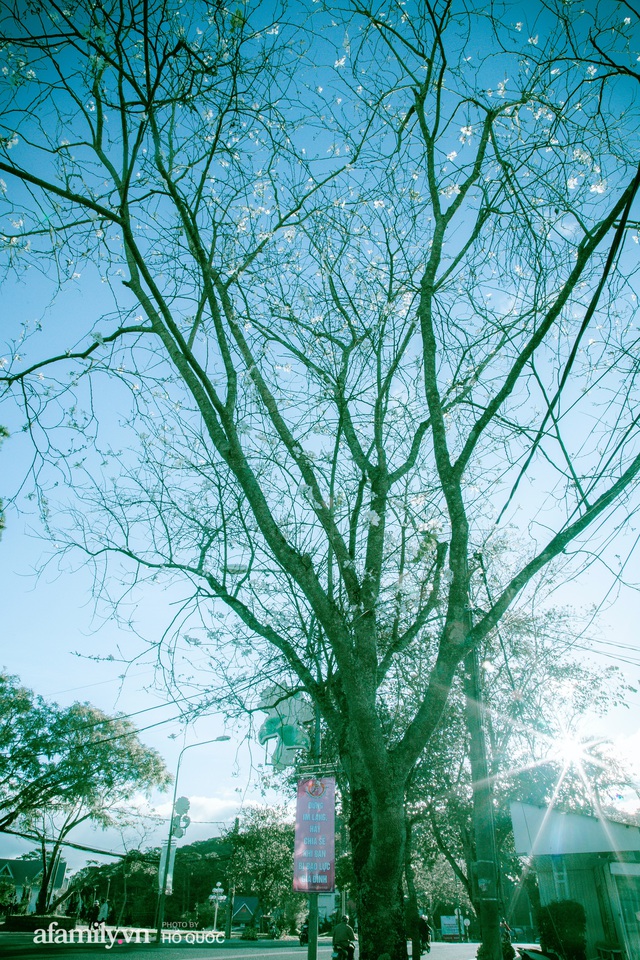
<point x="343" y="952"/>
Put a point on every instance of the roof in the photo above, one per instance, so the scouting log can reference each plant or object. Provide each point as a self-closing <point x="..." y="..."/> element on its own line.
<point x="542" y="831"/>
<point x="244" y="906"/>
<point x="28" y="872"/>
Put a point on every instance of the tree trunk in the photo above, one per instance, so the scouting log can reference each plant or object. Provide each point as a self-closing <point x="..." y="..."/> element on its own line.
<point x="377" y="838"/>
<point x="486" y="900"/>
<point x="43" y="893"/>
<point x="412" y="914"/>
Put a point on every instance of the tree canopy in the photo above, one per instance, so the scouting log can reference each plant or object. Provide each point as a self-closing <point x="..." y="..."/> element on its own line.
<point x="54" y="758"/>
<point x="357" y="300"/>
<point x="538" y="700"/>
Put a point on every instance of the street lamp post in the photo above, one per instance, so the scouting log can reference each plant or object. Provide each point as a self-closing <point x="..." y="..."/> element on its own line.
<point x="167" y="862"/>
<point x="217" y="896"/>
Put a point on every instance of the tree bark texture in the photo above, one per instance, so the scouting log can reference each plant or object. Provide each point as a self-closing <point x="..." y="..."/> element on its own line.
<point x="377" y="829"/>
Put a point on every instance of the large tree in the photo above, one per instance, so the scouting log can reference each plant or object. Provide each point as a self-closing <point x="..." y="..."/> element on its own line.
<point x="53" y="758"/>
<point x="60" y="767"/>
<point x="356" y="295"/>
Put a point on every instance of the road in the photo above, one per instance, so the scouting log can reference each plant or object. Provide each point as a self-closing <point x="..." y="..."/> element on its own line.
<point x="17" y="945"/>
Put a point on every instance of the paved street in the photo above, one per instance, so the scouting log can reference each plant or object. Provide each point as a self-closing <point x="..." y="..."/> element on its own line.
<point x="15" y="945"/>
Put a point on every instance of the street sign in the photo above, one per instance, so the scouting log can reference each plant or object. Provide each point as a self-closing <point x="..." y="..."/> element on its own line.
<point x="450" y="928"/>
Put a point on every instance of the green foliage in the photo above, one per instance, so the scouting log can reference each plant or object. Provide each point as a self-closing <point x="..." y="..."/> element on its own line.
<point x="263" y="858"/>
<point x="257" y="860"/>
<point x="53" y="758"/>
<point x="7" y="896"/>
<point x="132" y="884"/>
<point x="534" y="694"/>
<point x="62" y="766"/>
<point x="563" y="926"/>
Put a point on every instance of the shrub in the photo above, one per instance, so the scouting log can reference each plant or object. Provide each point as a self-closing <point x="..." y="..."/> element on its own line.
<point x="563" y="926"/>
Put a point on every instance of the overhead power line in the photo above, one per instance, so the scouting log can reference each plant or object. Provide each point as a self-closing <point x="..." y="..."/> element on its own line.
<point x="81" y="846"/>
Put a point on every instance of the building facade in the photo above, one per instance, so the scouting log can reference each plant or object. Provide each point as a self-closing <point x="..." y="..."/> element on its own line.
<point x="593" y="861"/>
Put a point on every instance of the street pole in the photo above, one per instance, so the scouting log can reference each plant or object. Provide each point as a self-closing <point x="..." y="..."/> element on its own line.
<point x="167" y="862"/>
<point x="312" y="948"/>
<point x="218" y="895"/>
<point x="485" y="878"/>
<point x="231" y="880"/>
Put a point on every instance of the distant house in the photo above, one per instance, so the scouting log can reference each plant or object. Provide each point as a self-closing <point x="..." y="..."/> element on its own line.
<point x="26" y="876"/>
<point x="593" y="861"/>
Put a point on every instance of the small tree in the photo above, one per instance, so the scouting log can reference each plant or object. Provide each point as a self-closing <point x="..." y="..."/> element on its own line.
<point x="262" y="861"/>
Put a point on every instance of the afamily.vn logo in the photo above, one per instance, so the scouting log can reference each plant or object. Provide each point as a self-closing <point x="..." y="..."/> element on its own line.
<point x="112" y="935"/>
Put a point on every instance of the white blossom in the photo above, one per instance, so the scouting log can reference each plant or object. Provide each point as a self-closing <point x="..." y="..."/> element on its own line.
<point x="373" y="518"/>
<point x="573" y="182"/>
<point x="598" y="187"/>
<point x="465" y="133"/>
<point x="518" y="26"/>
<point x="452" y="155"/>
<point x="3" y="186"/>
<point x="582" y="156"/>
<point x="533" y="40"/>
<point x="340" y="62"/>
<point x="452" y="190"/>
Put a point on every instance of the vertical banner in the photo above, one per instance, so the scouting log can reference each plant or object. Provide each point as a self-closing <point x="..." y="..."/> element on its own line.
<point x="163" y="861"/>
<point x="314" y="863"/>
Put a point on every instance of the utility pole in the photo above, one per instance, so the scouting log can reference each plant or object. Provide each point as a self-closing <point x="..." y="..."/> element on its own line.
<point x="178" y="822"/>
<point x="485" y="869"/>
<point x="312" y="948"/>
<point x="231" y="879"/>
